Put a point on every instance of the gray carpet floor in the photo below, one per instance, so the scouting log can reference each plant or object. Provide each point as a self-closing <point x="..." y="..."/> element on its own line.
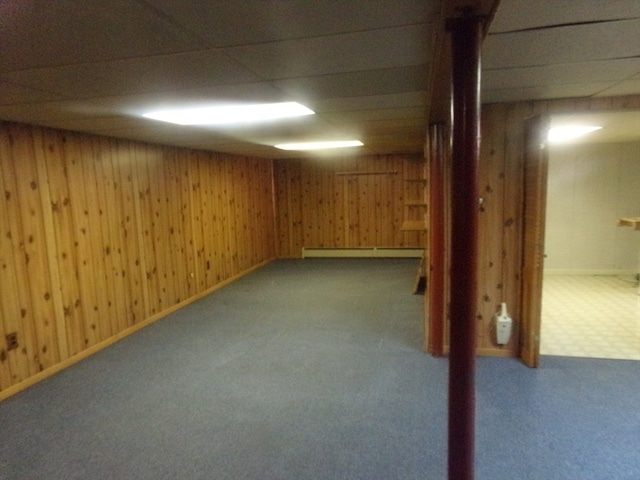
<point x="313" y="369"/>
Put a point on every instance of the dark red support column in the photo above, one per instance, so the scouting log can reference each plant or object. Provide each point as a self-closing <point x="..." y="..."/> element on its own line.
<point x="466" y="43"/>
<point x="435" y="296"/>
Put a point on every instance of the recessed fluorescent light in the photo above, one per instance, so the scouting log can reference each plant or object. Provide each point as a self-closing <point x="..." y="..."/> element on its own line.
<point x="230" y="114"/>
<point x="569" y="132"/>
<point x="319" y="145"/>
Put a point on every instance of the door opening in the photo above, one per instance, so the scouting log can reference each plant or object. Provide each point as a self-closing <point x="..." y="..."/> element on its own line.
<point x="589" y="299"/>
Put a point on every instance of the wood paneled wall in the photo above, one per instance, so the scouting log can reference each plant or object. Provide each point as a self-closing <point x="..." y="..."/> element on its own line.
<point x="99" y="235"/>
<point x="349" y="202"/>
<point x="501" y="187"/>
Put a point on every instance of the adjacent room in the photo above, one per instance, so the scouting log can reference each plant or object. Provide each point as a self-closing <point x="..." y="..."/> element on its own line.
<point x="591" y="299"/>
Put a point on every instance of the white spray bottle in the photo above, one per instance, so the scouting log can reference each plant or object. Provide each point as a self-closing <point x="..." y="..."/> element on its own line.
<point x="503" y="325"/>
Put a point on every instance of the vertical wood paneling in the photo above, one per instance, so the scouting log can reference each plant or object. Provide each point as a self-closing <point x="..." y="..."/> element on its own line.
<point x="105" y="185"/>
<point x="346" y="202"/>
<point x="294" y="203"/>
<point x="127" y="208"/>
<point x="88" y="234"/>
<point x="221" y="227"/>
<point x="16" y="364"/>
<point x="198" y="220"/>
<point x="31" y="264"/>
<point x="490" y="225"/>
<point x="512" y="209"/>
<point x="398" y="199"/>
<point x="98" y="235"/>
<point x="100" y="243"/>
<point x="64" y="228"/>
<point x="47" y="218"/>
<point x="146" y="192"/>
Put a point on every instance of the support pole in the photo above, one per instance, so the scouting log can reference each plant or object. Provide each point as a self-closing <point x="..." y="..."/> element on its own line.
<point x="466" y="42"/>
<point x="435" y="297"/>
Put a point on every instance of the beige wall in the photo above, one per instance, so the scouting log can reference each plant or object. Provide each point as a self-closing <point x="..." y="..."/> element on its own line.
<point x="590" y="186"/>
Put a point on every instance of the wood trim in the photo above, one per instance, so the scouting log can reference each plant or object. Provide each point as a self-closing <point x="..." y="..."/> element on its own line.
<point x="119" y="336"/>
<point x="436" y="252"/>
<point x="535" y="199"/>
<point x="390" y="172"/>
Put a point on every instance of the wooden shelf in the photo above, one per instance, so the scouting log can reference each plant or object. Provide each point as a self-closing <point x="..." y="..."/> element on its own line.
<point x="414" y="226"/>
<point x="630" y="222"/>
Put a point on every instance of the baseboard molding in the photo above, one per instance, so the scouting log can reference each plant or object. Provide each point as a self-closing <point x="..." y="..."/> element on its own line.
<point x="364" y="252"/>
<point x="485" y="352"/>
<point x="495" y="352"/>
<point x="28" y="382"/>
<point x="554" y="271"/>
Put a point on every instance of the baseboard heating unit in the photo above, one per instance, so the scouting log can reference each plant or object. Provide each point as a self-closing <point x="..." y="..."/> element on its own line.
<point x="363" y="252"/>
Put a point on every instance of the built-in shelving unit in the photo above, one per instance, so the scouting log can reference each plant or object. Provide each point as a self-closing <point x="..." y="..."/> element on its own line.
<point x="415" y="204"/>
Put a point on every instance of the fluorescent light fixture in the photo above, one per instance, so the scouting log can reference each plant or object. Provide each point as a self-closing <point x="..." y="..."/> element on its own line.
<point x="569" y="132"/>
<point x="319" y="145"/>
<point x="230" y="114"/>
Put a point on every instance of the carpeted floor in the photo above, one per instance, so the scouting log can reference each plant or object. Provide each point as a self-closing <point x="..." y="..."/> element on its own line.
<point x="313" y="369"/>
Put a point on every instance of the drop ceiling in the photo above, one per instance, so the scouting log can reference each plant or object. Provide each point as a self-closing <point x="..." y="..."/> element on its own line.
<point x="364" y="66"/>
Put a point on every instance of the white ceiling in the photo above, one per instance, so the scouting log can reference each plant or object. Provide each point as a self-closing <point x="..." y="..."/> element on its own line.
<point x="558" y="49"/>
<point x="363" y="65"/>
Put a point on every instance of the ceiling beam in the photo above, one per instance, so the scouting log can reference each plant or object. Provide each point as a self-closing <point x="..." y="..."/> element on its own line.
<point x="440" y="82"/>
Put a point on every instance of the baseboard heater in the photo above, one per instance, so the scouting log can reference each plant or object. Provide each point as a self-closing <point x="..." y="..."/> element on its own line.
<point x="363" y="252"/>
<point x="553" y="271"/>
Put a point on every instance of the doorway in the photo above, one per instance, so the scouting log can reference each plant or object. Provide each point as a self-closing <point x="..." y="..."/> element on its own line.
<point x="590" y="301"/>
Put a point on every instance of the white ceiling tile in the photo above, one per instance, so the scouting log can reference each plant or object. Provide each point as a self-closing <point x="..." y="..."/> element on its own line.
<point x="136" y="105"/>
<point x="37" y="33"/>
<point x="99" y="124"/>
<point x="371" y="102"/>
<point x="281" y="128"/>
<point x="627" y="87"/>
<point x="397" y="141"/>
<point x="358" y="116"/>
<point x="598" y="71"/>
<point x="166" y="133"/>
<point x="522" y="14"/>
<point x="245" y="149"/>
<point x="221" y="94"/>
<point x="367" y="83"/>
<point x="363" y="65"/>
<point x="11" y="94"/>
<point x="231" y="23"/>
<point x="36" y="112"/>
<point x="349" y="52"/>
<point x="544" y="92"/>
<point x="149" y="74"/>
<point x="580" y="43"/>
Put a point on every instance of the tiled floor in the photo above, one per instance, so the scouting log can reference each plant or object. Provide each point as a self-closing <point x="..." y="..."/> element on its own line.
<point x="590" y="316"/>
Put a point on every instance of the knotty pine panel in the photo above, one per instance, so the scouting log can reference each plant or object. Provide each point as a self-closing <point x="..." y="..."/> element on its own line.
<point x="99" y="235"/>
<point x="23" y="189"/>
<point x="15" y="304"/>
<point x="491" y="188"/>
<point x="344" y="202"/>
